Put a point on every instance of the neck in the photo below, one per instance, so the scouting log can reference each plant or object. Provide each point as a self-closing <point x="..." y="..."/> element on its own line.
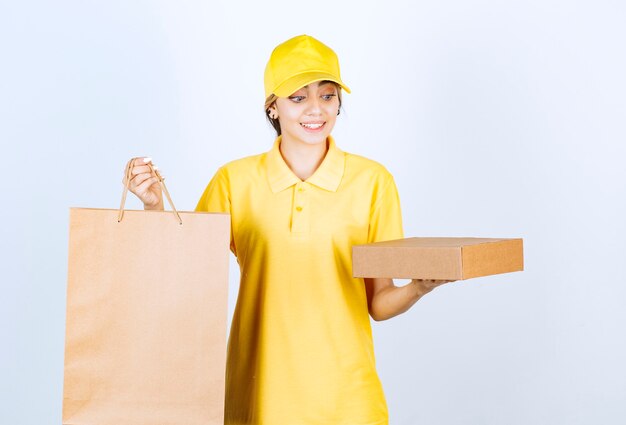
<point x="303" y="158"/>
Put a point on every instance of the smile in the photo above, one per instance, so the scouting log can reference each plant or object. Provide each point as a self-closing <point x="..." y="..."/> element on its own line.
<point x="313" y="126"/>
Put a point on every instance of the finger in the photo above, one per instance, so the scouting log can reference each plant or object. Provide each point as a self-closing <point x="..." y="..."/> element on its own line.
<point x="141" y="160"/>
<point x="426" y="283"/>
<point x="440" y="282"/>
<point x="138" y="169"/>
<point x="136" y="181"/>
<point x="433" y="283"/>
<point x="143" y="187"/>
<point x="137" y="162"/>
<point x="132" y="163"/>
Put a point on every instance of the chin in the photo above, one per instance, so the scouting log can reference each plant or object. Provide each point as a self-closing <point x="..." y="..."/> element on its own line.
<point x="317" y="140"/>
<point x="314" y="139"/>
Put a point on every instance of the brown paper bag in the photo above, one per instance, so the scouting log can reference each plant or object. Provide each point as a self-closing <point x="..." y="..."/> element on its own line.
<point x="146" y="317"/>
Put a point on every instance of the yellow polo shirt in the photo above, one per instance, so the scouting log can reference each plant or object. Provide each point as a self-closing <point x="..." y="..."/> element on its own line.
<point x="300" y="349"/>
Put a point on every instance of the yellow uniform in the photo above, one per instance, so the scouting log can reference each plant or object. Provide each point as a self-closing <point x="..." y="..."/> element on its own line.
<point x="300" y="349"/>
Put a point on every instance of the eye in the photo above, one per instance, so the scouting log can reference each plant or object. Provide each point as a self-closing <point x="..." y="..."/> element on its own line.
<point x="297" y="99"/>
<point x="328" y="96"/>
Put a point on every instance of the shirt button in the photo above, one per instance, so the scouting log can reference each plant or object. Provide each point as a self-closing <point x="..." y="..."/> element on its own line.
<point x="300" y="189"/>
<point x="298" y="208"/>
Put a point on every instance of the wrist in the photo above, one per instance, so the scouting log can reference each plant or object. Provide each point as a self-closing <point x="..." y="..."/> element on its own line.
<point x="158" y="207"/>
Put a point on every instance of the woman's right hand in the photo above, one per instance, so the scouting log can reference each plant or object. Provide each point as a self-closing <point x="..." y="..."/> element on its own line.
<point x="144" y="183"/>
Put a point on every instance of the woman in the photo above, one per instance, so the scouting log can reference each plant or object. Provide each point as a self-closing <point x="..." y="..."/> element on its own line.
<point x="300" y="347"/>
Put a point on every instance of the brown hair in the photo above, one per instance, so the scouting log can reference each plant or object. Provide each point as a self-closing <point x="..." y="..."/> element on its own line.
<point x="271" y="99"/>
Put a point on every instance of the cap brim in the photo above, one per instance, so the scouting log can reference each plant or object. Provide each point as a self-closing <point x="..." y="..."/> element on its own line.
<point x="295" y="83"/>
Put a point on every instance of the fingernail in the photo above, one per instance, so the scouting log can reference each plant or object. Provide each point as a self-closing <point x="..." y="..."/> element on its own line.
<point x="155" y="167"/>
<point x="146" y="160"/>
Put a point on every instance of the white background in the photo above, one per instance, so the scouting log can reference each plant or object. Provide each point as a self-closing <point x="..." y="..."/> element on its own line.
<point x="497" y="119"/>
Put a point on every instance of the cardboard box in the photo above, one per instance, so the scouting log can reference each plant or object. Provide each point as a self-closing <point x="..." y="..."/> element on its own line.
<point x="438" y="258"/>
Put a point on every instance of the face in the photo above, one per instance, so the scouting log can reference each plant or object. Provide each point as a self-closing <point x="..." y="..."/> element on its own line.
<point x="308" y="115"/>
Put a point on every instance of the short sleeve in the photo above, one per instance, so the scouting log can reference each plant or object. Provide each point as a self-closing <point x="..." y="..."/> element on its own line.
<point x="386" y="215"/>
<point x="216" y="199"/>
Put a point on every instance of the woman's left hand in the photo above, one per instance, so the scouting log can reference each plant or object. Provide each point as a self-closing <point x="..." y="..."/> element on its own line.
<point x="385" y="300"/>
<point x="427" y="285"/>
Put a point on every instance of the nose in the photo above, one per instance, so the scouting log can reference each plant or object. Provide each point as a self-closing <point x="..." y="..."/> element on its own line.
<point x="313" y="106"/>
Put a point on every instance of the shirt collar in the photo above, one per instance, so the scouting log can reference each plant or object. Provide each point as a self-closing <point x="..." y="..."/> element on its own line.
<point x="327" y="176"/>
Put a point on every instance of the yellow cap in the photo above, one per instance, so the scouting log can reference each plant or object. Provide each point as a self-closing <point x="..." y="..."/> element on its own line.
<point x="297" y="62"/>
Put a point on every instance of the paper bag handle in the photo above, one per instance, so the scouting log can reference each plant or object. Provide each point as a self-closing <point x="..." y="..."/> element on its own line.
<point x="129" y="167"/>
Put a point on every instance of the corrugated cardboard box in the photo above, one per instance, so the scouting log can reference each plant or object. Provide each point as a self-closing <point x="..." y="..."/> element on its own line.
<point x="438" y="258"/>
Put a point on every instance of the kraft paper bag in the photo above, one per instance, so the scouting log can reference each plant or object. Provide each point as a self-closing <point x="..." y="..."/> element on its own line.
<point x="146" y="317"/>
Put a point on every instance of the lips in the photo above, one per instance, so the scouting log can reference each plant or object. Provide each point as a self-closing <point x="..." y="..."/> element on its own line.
<point x="313" y="126"/>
